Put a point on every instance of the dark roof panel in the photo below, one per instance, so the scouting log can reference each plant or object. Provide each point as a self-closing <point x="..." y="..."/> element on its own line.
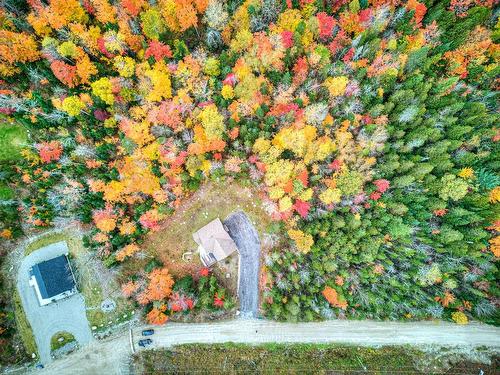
<point x="54" y="276"/>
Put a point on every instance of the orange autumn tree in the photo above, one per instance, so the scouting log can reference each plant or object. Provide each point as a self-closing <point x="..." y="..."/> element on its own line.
<point x="159" y="286"/>
<point x="129" y="288"/>
<point x="334" y="298"/>
<point x="14" y="48"/>
<point x="50" y="151"/>
<point x="157" y="315"/>
<point x="180" y="15"/>
<point x="126" y="251"/>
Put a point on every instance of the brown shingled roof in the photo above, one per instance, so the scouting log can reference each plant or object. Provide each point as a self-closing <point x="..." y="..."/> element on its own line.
<point x="214" y="242"/>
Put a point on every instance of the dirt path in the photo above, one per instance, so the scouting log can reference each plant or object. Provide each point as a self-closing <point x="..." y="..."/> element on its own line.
<point x="111" y="356"/>
<point x="246" y="238"/>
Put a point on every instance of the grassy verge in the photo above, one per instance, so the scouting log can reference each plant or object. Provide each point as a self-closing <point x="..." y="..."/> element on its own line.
<point x="45" y="241"/>
<point x="23" y="326"/>
<point x="60" y="339"/>
<point x="294" y="359"/>
<point x="102" y="321"/>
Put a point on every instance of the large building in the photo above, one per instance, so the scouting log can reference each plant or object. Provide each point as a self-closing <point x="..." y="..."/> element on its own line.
<point x="53" y="280"/>
<point x="214" y="243"/>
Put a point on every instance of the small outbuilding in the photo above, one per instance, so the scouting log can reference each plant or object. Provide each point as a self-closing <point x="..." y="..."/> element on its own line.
<point x="52" y="280"/>
<point x="214" y="243"/>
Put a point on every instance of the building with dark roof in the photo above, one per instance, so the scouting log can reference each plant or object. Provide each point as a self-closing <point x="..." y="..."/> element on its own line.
<point x="53" y="280"/>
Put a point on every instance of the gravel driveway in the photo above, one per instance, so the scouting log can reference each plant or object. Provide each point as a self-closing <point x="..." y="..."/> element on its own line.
<point x="246" y="238"/>
<point x="65" y="315"/>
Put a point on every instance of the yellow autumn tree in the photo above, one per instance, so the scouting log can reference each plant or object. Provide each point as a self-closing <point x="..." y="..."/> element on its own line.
<point x="303" y="241"/>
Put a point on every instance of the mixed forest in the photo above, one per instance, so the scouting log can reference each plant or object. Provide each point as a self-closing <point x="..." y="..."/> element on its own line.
<point x="372" y="126"/>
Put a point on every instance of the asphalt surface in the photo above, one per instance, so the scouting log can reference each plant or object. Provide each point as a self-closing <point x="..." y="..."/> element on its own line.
<point x="246" y="238"/>
<point x="65" y="315"/>
<point x="111" y="356"/>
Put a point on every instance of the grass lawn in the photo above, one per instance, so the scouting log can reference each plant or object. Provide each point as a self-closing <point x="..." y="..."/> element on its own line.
<point x="12" y="139"/>
<point x="95" y="282"/>
<point x="60" y="339"/>
<point x="296" y="359"/>
<point x="23" y="326"/>
<point x="212" y="200"/>
<point x="45" y="241"/>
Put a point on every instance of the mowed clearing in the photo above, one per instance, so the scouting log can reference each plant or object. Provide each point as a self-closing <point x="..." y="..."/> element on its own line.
<point x="212" y="200"/>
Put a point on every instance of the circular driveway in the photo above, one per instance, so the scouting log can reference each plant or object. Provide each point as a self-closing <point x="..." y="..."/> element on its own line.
<point x="64" y="315"/>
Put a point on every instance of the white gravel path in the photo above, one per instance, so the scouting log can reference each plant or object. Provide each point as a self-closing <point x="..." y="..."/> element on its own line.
<point x="111" y="356"/>
<point x="65" y="315"/>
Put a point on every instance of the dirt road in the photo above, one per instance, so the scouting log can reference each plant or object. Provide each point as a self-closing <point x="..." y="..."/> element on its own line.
<point x="111" y="356"/>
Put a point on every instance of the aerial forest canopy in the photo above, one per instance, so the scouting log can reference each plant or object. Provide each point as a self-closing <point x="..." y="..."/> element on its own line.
<point x="372" y="126"/>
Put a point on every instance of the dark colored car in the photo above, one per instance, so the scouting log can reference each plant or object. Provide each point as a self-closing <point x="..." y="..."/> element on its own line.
<point x="148" y="332"/>
<point x="145" y="342"/>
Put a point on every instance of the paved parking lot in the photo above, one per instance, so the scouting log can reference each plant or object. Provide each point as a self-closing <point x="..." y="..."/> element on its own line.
<point x="65" y="315"/>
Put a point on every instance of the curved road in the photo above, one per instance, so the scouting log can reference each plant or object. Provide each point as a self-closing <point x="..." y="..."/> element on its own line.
<point x="112" y="355"/>
<point x="246" y="238"/>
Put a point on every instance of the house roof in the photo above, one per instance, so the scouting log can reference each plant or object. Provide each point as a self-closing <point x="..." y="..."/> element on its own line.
<point x="53" y="276"/>
<point x="214" y="242"/>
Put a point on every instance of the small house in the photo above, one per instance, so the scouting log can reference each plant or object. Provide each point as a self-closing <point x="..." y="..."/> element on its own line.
<point x="52" y="280"/>
<point x="214" y="243"/>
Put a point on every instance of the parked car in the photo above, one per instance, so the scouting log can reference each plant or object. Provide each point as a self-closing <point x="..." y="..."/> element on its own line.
<point x="39" y="366"/>
<point x="148" y="332"/>
<point x="145" y="342"/>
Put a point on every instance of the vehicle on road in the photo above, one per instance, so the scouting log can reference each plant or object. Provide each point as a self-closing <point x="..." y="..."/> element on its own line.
<point x="148" y="332"/>
<point x="145" y="342"/>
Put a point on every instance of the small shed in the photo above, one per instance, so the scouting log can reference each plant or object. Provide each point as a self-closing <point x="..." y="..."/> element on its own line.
<point x="52" y="280"/>
<point x="214" y="243"/>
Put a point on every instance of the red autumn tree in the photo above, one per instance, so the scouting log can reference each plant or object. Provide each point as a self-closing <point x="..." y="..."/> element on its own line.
<point x="50" y="151"/>
<point x="158" y="50"/>
<point x="64" y="72"/>
<point x="302" y="207"/>
<point x="382" y="185"/>
<point x="218" y="301"/>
